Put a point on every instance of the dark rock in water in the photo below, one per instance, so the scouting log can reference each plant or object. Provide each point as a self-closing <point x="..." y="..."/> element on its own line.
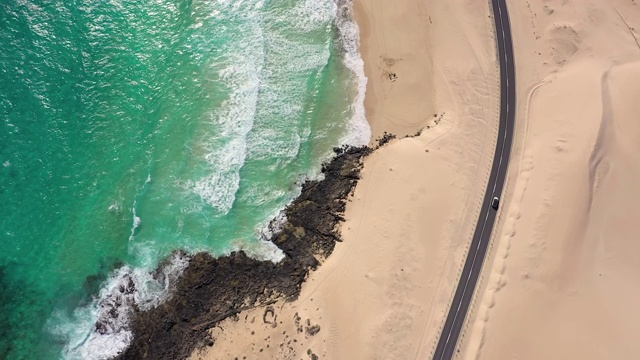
<point x="212" y="289"/>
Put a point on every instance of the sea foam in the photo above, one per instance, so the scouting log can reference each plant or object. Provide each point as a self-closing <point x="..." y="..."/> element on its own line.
<point x="227" y="150"/>
<point x="100" y="330"/>
<point x="359" y="130"/>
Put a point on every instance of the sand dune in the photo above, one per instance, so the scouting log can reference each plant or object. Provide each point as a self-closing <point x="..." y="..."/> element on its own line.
<point x="563" y="276"/>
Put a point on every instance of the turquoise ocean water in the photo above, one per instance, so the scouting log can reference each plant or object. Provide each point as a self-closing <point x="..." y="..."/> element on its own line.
<point x="129" y="129"/>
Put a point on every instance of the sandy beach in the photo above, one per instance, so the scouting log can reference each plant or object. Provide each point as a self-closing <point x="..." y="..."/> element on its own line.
<point x="564" y="266"/>
<point x="384" y="292"/>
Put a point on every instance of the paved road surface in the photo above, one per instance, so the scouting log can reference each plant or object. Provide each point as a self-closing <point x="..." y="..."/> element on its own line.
<point x="478" y="249"/>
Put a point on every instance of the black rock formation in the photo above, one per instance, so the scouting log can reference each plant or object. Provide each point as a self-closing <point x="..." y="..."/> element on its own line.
<point x="212" y="289"/>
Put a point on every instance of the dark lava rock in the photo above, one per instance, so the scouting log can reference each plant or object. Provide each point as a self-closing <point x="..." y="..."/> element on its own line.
<point x="268" y="314"/>
<point x="212" y="289"/>
<point x="386" y="138"/>
<point x="312" y="330"/>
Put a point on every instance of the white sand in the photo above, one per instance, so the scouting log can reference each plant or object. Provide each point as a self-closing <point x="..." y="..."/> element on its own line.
<point x="564" y="277"/>
<point x="385" y="291"/>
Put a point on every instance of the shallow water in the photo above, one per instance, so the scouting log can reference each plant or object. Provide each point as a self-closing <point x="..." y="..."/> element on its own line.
<point x="130" y="129"/>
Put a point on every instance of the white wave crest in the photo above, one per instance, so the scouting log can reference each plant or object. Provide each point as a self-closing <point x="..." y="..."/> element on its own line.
<point x="359" y="132"/>
<point x="310" y="15"/>
<point x="136" y="221"/>
<point x="219" y="188"/>
<point x="272" y="227"/>
<point x="261" y="250"/>
<point x="101" y="329"/>
<point x="227" y="150"/>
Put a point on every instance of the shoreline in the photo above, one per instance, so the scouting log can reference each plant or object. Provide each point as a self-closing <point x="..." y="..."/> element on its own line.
<point x="114" y="317"/>
<point x="210" y="289"/>
<point x="400" y="88"/>
<point x="385" y="290"/>
<point x="306" y="237"/>
<point x="359" y="129"/>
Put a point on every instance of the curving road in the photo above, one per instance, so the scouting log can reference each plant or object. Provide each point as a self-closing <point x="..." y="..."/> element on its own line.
<point x="478" y="249"/>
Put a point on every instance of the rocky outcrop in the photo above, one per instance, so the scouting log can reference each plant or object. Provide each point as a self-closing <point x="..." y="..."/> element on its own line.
<point x="212" y="289"/>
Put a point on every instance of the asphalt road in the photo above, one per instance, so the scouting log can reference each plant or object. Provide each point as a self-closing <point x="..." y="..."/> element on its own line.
<point x="478" y="249"/>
